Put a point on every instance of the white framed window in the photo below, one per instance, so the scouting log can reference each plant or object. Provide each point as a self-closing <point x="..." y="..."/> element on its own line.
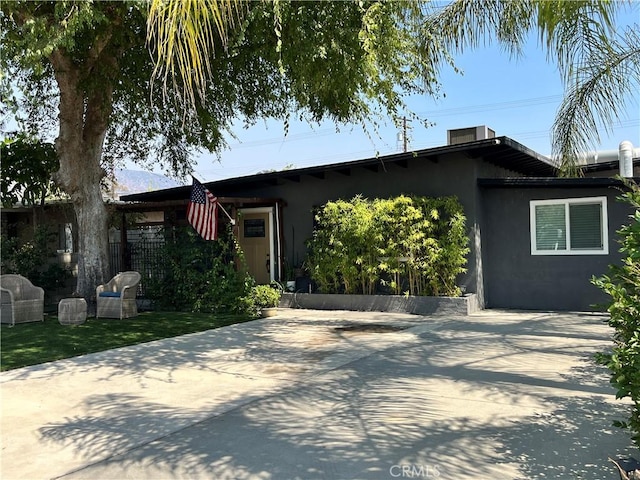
<point x="570" y="226"/>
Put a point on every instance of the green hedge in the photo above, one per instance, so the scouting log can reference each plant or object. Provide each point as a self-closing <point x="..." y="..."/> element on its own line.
<point x="195" y="275"/>
<point x="402" y="245"/>
<point x="622" y="284"/>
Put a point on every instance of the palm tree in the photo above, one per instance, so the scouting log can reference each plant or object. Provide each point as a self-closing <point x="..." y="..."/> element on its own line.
<point x="599" y="67"/>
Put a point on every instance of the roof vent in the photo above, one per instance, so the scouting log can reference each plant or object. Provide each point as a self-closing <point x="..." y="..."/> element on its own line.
<point x="464" y="135"/>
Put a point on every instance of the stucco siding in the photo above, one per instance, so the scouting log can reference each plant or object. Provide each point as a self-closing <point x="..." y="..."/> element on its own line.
<point x="453" y="174"/>
<point x="514" y="278"/>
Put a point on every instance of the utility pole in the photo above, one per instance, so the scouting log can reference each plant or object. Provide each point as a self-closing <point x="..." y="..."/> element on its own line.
<point x="403" y="135"/>
<point x="404" y="132"/>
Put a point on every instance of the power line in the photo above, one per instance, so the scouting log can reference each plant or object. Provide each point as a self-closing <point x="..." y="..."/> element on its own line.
<point x="387" y="149"/>
<point x="287" y="138"/>
<point x="518" y="136"/>
<point x="488" y="107"/>
<point x="521" y="103"/>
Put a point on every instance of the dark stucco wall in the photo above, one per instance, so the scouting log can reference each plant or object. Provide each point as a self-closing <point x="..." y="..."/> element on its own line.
<point x="516" y="279"/>
<point x="452" y="174"/>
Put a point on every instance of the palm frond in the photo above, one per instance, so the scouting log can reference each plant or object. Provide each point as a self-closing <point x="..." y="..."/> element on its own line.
<point x="601" y="88"/>
<point x="183" y="36"/>
<point x="573" y="31"/>
<point x="466" y="24"/>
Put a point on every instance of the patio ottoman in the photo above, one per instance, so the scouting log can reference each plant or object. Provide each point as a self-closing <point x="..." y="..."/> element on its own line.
<point x="72" y="311"/>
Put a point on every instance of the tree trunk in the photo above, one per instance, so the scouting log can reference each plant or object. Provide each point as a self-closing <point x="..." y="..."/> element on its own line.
<point x="93" y="251"/>
<point x="84" y="118"/>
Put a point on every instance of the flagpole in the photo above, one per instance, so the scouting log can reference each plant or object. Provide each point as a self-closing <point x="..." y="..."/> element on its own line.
<point x="233" y="222"/>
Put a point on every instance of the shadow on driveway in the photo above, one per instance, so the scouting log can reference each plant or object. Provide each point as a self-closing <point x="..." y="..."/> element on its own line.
<point x="499" y="395"/>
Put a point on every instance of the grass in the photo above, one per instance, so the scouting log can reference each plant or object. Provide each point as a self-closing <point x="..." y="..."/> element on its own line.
<point x="40" y="342"/>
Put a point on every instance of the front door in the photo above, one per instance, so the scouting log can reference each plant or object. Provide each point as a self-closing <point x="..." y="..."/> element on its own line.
<point x="255" y="241"/>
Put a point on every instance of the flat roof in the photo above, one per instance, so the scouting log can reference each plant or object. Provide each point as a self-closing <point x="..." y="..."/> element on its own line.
<point x="500" y="151"/>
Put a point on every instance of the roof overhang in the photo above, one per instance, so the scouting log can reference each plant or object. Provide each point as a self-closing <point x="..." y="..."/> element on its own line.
<point x="238" y="202"/>
<point x="552" y="182"/>
<point x="501" y="151"/>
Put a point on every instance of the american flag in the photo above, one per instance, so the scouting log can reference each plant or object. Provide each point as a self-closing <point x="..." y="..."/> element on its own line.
<point x="202" y="211"/>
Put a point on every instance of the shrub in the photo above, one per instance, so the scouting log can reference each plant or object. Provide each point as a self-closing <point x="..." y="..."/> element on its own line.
<point x="195" y="275"/>
<point x="32" y="260"/>
<point x="342" y="253"/>
<point x="261" y="296"/>
<point x="412" y="245"/>
<point x="622" y="284"/>
<point x="26" y="258"/>
<point x="266" y="296"/>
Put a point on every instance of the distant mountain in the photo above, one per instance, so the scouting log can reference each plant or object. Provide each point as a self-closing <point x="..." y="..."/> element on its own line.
<point x="136" y="181"/>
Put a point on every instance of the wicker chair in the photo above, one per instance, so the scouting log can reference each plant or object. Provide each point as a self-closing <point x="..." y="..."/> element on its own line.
<point x="21" y="301"/>
<point x="117" y="298"/>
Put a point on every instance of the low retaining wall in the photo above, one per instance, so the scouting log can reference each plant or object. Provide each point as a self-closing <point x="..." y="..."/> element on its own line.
<point x="465" y="305"/>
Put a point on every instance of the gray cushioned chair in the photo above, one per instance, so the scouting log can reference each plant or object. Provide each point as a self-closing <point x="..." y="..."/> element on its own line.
<point x="21" y="300"/>
<point x="117" y="298"/>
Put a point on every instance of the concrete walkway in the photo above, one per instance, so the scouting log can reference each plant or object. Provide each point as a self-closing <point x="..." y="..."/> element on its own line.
<point x="497" y="395"/>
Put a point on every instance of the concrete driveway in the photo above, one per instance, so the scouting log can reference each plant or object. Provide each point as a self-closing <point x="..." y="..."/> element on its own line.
<point x="309" y="395"/>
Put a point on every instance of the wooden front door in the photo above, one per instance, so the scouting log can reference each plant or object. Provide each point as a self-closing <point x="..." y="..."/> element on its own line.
<point x="255" y="241"/>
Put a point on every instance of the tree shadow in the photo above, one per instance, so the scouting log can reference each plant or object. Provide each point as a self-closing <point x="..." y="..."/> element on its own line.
<point x="466" y="399"/>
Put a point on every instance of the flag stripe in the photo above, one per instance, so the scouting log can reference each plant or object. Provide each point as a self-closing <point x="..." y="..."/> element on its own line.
<point x="202" y="211"/>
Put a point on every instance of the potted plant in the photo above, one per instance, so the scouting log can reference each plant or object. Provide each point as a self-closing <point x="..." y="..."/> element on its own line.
<point x="266" y="299"/>
<point x="289" y="284"/>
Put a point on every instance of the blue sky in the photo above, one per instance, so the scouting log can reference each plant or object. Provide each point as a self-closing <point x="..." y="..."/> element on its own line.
<point x="517" y="98"/>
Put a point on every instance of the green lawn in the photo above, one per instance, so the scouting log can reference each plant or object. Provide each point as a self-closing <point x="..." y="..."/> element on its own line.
<point x="34" y="343"/>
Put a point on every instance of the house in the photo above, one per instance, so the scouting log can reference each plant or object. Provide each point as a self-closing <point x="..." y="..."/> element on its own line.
<point x="519" y="214"/>
<point x="521" y="255"/>
<point x="57" y="215"/>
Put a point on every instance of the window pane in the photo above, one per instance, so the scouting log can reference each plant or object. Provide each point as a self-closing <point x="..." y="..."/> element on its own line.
<point x="586" y="226"/>
<point x="550" y="227"/>
<point x="65" y="237"/>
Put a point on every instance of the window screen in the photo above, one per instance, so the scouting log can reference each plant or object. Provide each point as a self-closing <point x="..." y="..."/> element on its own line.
<point x="573" y="226"/>
<point x="586" y="226"/>
<point x="551" y="231"/>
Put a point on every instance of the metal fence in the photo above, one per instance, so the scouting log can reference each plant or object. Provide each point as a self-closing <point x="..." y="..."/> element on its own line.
<point x="143" y="256"/>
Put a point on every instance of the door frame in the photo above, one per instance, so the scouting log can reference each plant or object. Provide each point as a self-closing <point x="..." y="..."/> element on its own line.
<point x="272" y="228"/>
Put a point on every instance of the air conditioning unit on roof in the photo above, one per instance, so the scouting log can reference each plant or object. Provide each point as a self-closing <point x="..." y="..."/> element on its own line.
<point x="471" y="134"/>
